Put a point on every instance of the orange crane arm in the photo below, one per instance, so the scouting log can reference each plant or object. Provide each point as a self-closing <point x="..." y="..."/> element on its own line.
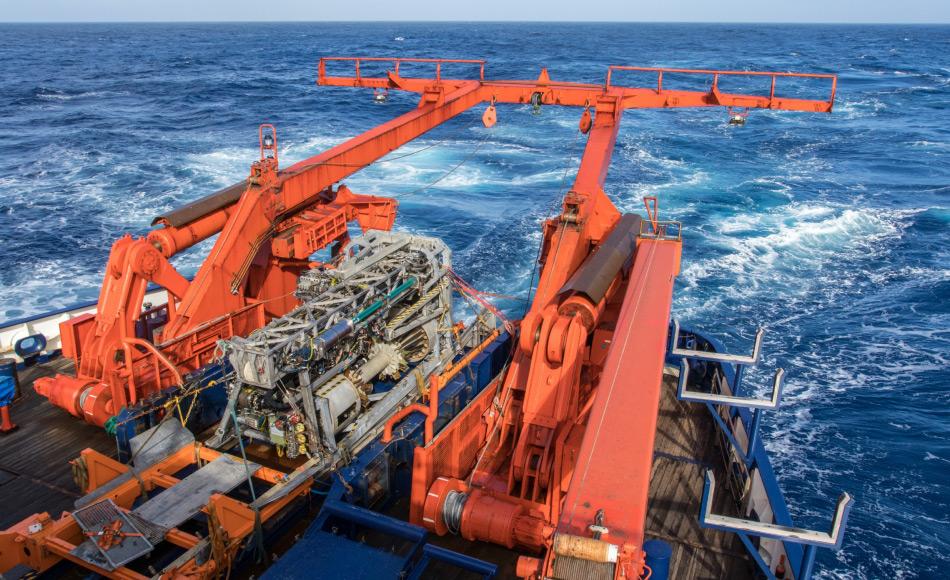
<point x="216" y="287"/>
<point x="268" y="228"/>
<point x="549" y="460"/>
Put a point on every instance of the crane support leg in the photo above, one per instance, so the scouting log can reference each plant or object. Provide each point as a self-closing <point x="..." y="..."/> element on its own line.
<point x="623" y="417"/>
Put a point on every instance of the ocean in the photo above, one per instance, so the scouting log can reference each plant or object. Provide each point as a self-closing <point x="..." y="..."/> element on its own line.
<point x="830" y="231"/>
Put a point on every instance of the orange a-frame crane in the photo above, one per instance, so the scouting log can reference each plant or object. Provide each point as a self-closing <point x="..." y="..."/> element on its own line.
<point x="559" y="462"/>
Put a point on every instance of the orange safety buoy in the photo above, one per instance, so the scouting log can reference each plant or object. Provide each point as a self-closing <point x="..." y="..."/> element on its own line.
<point x="489" y="117"/>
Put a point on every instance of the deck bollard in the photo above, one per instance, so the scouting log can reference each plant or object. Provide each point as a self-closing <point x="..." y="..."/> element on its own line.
<point x="658" y="555"/>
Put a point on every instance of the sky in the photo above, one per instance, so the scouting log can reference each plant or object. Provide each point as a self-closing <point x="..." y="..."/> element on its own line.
<point x="858" y="11"/>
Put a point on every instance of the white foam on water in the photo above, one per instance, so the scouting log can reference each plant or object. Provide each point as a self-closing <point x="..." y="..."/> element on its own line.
<point x="928" y="456"/>
<point x="50" y="283"/>
<point x="859" y="108"/>
<point x="793" y="243"/>
<point x="57" y="95"/>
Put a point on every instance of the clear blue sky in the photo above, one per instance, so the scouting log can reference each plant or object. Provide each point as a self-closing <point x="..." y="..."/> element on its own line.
<point x="924" y="11"/>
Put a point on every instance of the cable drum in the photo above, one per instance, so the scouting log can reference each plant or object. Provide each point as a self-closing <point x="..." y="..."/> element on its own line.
<point x="452" y="510"/>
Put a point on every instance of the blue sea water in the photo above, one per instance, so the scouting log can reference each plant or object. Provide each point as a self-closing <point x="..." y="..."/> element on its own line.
<point x="830" y="231"/>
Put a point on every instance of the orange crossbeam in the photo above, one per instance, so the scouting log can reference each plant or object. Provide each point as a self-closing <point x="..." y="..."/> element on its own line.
<point x="21" y="545"/>
<point x="584" y="94"/>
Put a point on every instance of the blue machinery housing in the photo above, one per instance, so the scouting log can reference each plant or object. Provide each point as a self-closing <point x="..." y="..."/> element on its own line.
<point x="351" y="538"/>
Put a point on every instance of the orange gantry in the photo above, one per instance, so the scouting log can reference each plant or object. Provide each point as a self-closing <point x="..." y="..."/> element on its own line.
<point x="40" y="542"/>
<point x="559" y="463"/>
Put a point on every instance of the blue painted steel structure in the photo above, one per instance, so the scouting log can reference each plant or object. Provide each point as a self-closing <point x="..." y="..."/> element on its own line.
<point x="198" y="411"/>
<point x="374" y="481"/>
<point x="381" y="473"/>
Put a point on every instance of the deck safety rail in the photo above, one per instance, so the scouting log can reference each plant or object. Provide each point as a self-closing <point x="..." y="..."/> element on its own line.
<point x="810" y="538"/>
<point x="661" y="230"/>
<point x="747" y="412"/>
<point x="438" y="62"/>
<point x="716" y="74"/>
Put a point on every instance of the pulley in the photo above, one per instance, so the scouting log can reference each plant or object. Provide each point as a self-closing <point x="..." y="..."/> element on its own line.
<point x="536" y="103"/>
<point x="586" y="120"/>
<point x="737" y="116"/>
<point x="490" y="117"/>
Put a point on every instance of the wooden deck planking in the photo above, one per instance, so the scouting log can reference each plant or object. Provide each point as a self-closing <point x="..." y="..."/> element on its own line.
<point x="685" y="446"/>
<point x="35" y="475"/>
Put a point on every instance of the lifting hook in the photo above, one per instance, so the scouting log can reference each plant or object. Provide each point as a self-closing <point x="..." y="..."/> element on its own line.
<point x="586" y="120"/>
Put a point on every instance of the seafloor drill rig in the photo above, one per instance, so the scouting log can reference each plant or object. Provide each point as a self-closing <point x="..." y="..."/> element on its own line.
<point x="541" y="436"/>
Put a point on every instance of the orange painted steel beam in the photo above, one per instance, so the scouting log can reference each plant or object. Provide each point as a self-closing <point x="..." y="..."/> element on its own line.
<point x="535" y="456"/>
<point x="615" y="459"/>
<point x="265" y="231"/>
<point x="583" y="94"/>
<point x="242" y="269"/>
<point x="216" y="286"/>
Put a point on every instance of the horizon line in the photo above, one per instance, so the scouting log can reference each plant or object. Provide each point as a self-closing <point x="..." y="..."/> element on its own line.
<point x="465" y="21"/>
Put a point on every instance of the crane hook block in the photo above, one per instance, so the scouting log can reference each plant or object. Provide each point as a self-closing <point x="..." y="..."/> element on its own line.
<point x="586" y="121"/>
<point x="490" y="117"/>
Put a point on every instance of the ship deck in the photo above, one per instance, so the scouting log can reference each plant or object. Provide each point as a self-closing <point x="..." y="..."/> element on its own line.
<point x="686" y="445"/>
<point x="35" y="476"/>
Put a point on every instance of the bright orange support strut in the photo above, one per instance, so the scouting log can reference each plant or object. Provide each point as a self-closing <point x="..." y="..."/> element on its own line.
<point x="612" y="473"/>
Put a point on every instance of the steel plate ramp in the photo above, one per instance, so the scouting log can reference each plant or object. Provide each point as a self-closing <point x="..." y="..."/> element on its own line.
<point x="113" y="539"/>
<point x="184" y="500"/>
<point x="350" y="542"/>
<point x="148" y="448"/>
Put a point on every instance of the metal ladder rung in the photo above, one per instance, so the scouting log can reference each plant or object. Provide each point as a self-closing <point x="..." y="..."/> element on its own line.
<point x="729" y="400"/>
<point x="716" y="356"/>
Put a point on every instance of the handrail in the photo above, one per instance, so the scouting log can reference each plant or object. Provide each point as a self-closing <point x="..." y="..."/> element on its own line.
<point x="436" y="382"/>
<point x="729" y="400"/>
<point x="717" y="73"/>
<point x="716" y="356"/>
<point x="832" y="539"/>
<point x="438" y="62"/>
<point x="664" y="230"/>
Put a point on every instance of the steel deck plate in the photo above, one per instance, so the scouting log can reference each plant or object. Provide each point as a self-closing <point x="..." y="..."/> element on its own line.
<point x="181" y="502"/>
